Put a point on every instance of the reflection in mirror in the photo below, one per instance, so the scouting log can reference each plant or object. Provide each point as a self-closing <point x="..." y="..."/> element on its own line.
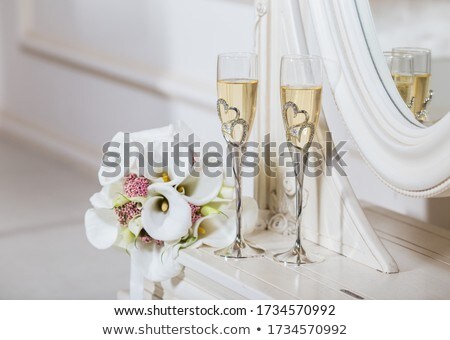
<point x="421" y="93"/>
<point x="424" y="24"/>
<point x="401" y="67"/>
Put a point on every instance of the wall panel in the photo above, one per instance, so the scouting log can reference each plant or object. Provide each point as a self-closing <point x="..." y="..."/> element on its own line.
<point x="83" y="69"/>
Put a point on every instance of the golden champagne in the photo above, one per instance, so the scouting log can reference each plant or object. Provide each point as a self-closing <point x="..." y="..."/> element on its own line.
<point x="421" y="87"/>
<point x="308" y="99"/>
<point x="240" y="94"/>
<point x="404" y="84"/>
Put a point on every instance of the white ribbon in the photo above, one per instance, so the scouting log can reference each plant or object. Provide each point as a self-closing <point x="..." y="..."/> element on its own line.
<point x="136" y="275"/>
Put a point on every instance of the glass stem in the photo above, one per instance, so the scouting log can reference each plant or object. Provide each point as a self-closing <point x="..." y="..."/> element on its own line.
<point x="300" y="159"/>
<point x="238" y="189"/>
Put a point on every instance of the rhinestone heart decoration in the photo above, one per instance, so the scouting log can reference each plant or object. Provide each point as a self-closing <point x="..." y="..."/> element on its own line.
<point x="296" y="131"/>
<point x="228" y="127"/>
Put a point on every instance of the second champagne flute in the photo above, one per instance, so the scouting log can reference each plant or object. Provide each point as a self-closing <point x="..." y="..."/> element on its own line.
<point x="422" y="74"/>
<point x="301" y="93"/>
<point x="401" y="66"/>
<point x="237" y="87"/>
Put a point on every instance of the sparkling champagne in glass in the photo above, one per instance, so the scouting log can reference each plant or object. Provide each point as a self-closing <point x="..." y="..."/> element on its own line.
<point x="421" y="80"/>
<point x="237" y="87"/>
<point x="301" y="92"/>
<point x="401" y="66"/>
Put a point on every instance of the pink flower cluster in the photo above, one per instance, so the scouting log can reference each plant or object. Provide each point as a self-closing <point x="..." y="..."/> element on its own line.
<point x="195" y="213"/>
<point x="145" y="238"/>
<point x="126" y="212"/>
<point x="135" y="186"/>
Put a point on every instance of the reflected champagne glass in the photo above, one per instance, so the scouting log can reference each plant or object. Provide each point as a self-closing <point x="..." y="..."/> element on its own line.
<point x="401" y="66"/>
<point x="237" y="87"/>
<point x="301" y="92"/>
<point x="422" y="74"/>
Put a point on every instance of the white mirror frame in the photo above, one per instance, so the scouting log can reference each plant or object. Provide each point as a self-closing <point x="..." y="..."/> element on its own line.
<point x="407" y="157"/>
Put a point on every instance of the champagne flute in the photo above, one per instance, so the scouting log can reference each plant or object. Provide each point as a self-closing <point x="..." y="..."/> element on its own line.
<point x="401" y="67"/>
<point x="301" y="91"/>
<point x="422" y="74"/>
<point x="237" y="86"/>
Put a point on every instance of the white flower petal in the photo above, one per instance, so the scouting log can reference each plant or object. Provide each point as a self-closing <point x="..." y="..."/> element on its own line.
<point x="226" y="193"/>
<point x="105" y="197"/>
<point x="183" y="130"/>
<point x="154" y="136"/>
<point x="125" y="239"/>
<point x="250" y="212"/>
<point x="102" y="227"/>
<point x="135" y="225"/>
<point x="169" y="225"/>
<point x="221" y="228"/>
<point x="202" y="189"/>
<point x="176" y="176"/>
<point x="200" y="221"/>
<point x="158" y="263"/>
<point x="220" y="232"/>
<point x="178" y="172"/>
<point x="149" y="139"/>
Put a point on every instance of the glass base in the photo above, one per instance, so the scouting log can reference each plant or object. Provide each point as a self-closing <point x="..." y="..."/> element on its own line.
<point x="240" y="249"/>
<point x="296" y="256"/>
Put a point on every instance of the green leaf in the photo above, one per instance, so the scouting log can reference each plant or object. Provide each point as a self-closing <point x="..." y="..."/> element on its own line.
<point x="120" y="200"/>
<point x="208" y="210"/>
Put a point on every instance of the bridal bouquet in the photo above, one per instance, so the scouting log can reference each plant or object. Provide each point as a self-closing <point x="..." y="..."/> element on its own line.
<point x="154" y="208"/>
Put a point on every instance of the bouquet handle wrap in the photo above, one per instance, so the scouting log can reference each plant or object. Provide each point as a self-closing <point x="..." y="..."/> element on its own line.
<point x="136" y="276"/>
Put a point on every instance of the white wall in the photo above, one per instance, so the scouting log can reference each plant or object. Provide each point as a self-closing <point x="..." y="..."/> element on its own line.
<point x="2" y="63"/>
<point x="86" y="69"/>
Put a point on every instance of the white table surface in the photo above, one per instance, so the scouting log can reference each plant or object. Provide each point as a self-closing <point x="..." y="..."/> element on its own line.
<point x="421" y="251"/>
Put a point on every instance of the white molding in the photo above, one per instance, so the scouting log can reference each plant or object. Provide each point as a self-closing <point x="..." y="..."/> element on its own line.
<point x="79" y="155"/>
<point x="171" y="85"/>
<point x="262" y="121"/>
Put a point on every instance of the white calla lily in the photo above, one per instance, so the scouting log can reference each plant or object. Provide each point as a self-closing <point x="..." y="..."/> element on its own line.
<point x="225" y="194"/>
<point x="227" y="190"/>
<point x="158" y="263"/>
<point x="152" y="142"/>
<point x="219" y="230"/>
<point x="125" y="239"/>
<point x="168" y="225"/>
<point x="135" y="225"/>
<point x="167" y="174"/>
<point x="102" y="227"/>
<point x="107" y="196"/>
<point x="200" y="189"/>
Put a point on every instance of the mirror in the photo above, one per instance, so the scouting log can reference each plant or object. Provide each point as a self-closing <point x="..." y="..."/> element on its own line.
<point x="423" y="26"/>
<point x="406" y="155"/>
